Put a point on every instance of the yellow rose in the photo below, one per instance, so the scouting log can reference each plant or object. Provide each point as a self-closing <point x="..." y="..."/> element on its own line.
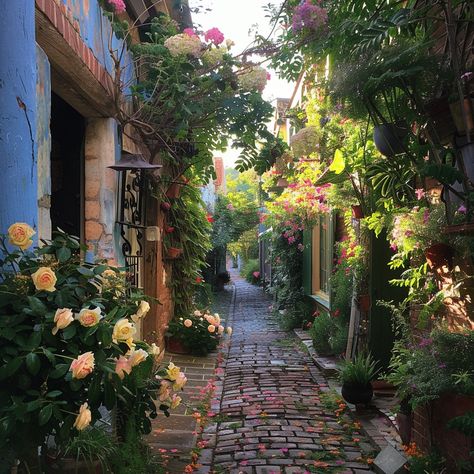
<point x="44" y="279"/>
<point x="180" y="382"/>
<point x="83" y="419"/>
<point x="217" y="319"/>
<point x="157" y="353"/>
<point x="122" y="366"/>
<point x="109" y="273"/>
<point x="83" y="365"/>
<point x="188" y="323"/>
<point x="229" y="331"/>
<point x="172" y="371"/>
<point x="136" y="357"/>
<point x="20" y="235"/>
<point x="124" y="331"/>
<point x="89" y="317"/>
<point x="211" y="328"/>
<point x="62" y="318"/>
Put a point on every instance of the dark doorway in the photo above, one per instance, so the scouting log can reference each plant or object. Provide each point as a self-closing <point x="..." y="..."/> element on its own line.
<point x="67" y="167"/>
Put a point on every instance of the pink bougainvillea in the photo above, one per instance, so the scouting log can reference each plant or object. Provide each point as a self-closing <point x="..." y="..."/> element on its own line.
<point x="214" y="35"/>
<point x="118" y="5"/>
<point x="309" y="16"/>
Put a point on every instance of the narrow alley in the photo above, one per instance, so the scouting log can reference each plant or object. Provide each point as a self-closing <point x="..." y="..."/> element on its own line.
<point x="278" y="414"/>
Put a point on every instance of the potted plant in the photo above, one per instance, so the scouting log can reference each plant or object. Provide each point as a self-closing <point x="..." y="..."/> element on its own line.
<point x="389" y="138"/>
<point x="196" y="334"/>
<point x="356" y="376"/>
<point x="88" y="452"/>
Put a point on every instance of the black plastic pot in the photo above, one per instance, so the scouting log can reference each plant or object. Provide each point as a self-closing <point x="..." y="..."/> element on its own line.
<point x="388" y="138"/>
<point x="357" y="394"/>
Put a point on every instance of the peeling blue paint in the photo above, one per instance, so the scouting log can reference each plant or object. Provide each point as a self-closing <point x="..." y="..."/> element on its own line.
<point x="18" y="180"/>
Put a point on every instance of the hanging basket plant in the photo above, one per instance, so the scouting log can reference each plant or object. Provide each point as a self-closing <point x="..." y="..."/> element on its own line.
<point x="389" y="138"/>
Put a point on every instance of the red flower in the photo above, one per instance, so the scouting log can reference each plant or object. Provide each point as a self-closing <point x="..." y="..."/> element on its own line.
<point x="169" y="229"/>
<point x="210" y="218"/>
<point x="199" y="280"/>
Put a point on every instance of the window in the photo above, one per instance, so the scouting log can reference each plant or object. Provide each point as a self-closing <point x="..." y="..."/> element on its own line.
<point x="322" y="254"/>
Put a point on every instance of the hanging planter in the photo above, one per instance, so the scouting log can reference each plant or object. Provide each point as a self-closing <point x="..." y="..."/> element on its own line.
<point x="173" y="252"/>
<point x="357" y="212"/>
<point x="438" y="255"/>
<point x="388" y="138"/>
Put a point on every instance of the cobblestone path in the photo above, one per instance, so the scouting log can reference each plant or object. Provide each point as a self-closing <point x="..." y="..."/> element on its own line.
<point x="277" y="414"/>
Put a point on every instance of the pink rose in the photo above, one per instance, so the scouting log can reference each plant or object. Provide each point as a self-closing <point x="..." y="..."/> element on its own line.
<point x="123" y="366"/>
<point x="82" y="366"/>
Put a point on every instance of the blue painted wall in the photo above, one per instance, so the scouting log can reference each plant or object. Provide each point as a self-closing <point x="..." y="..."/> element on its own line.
<point x="96" y="32"/>
<point x="18" y="181"/>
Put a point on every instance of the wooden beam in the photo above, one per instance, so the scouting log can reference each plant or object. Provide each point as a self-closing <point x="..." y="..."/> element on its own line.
<point x="72" y="80"/>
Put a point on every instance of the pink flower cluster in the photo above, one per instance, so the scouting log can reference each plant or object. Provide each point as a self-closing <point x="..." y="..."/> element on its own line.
<point x="214" y="35"/>
<point x="308" y="16"/>
<point x="118" y="5"/>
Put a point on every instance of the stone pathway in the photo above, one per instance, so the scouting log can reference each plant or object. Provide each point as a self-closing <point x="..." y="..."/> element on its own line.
<point x="277" y="414"/>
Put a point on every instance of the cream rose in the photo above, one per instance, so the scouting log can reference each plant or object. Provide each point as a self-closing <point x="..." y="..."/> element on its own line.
<point x="20" y="235"/>
<point x="84" y="418"/>
<point x="229" y="331"/>
<point x="220" y="330"/>
<point x="62" y="318"/>
<point x="197" y="313"/>
<point x="44" y="279"/>
<point x="89" y="317"/>
<point x="141" y="311"/>
<point x="211" y="328"/>
<point x="124" y="331"/>
<point x="172" y="372"/>
<point x="165" y="391"/>
<point x="83" y="365"/>
<point x="123" y="366"/>
<point x="180" y="382"/>
<point x="188" y="323"/>
<point x="137" y="356"/>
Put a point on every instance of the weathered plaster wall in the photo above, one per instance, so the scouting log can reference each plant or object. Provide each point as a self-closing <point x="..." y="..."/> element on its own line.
<point x="43" y="139"/>
<point x="18" y="181"/>
<point x="101" y="149"/>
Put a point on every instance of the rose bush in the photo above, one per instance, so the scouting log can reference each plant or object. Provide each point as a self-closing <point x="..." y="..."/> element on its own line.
<point x="199" y="333"/>
<point x="68" y="347"/>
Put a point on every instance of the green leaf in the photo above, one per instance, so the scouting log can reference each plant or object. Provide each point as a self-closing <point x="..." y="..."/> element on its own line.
<point x="85" y="271"/>
<point x="54" y="394"/>
<point x="338" y="164"/>
<point x="109" y="396"/>
<point x="69" y="332"/>
<point x="45" y="414"/>
<point x="9" y="369"/>
<point x="59" y="371"/>
<point x="37" y="305"/>
<point x="63" y="254"/>
<point x="33" y="363"/>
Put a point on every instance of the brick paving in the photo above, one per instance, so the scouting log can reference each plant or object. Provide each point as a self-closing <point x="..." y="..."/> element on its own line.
<point x="273" y="415"/>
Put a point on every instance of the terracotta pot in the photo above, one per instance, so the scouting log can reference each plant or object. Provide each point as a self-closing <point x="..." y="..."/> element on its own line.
<point x="438" y="255"/>
<point x="364" y="303"/>
<point x="357" y="394"/>
<point x="388" y="138"/>
<point x="174" y="191"/>
<point x="357" y="212"/>
<point x="458" y="115"/>
<point x="173" y="252"/>
<point x="175" y="346"/>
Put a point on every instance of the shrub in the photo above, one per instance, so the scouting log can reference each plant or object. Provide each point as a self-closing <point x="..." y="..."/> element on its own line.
<point x="321" y="331"/>
<point x="250" y="267"/>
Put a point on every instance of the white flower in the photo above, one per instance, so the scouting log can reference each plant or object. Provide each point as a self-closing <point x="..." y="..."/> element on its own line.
<point x="183" y="44"/>
<point x="306" y="141"/>
<point x="253" y="78"/>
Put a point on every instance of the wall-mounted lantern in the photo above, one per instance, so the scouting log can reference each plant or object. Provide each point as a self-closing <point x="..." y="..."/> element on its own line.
<point x="131" y="210"/>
